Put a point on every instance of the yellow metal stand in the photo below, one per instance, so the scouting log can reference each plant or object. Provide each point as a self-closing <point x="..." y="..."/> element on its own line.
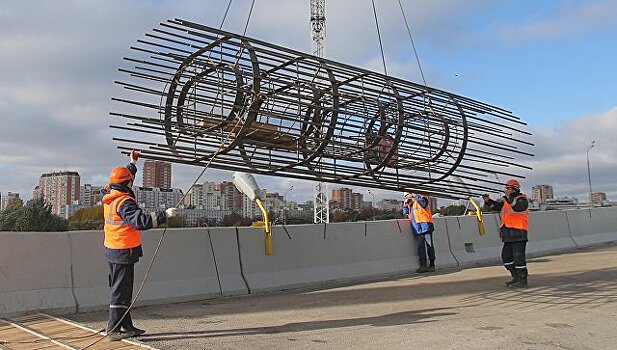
<point x="267" y="227"/>
<point x="478" y="214"/>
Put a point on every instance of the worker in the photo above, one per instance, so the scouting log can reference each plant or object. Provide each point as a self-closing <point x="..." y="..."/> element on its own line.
<point x="418" y="210"/>
<point x="123" y="221"/>
<point x="514" y="209"/>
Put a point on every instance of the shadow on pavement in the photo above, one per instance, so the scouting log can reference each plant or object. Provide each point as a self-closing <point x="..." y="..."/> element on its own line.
<point x="398" y="318"/>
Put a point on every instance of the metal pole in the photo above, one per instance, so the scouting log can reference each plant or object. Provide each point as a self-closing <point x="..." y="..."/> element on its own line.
<point x="372" y="204"/>
<point x="589" y="171"/>
<point x="285" y="204"/>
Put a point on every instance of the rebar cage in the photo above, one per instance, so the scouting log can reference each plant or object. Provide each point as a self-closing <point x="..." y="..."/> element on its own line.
<point x="195" y="93"/>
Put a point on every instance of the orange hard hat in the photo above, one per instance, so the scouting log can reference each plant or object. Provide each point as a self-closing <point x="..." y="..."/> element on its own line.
<point x="513" y="183"/>
<point x="120" y="174"/>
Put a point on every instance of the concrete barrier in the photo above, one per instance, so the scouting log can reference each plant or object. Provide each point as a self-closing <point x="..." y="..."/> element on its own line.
<point x="35" y="273"/>
<point x="90" y="270"/>
<point x="225" y="243"/>
<point x="183" y="270"/>
<point x="593" y="226"/>
<point x="66" y="272"/>
<point x="549" y="232"/>
<point x="443" y="255"/>
<point x="311" y="255"/>
<point x="466" y="244"/>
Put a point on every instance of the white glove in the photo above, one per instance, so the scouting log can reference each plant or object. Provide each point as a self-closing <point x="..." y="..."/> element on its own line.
<point x="171" y="212"/>
<point x="134" y="156"/>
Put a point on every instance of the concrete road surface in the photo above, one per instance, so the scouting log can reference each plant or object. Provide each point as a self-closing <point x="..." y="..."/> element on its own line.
<point x="571" y="303"/>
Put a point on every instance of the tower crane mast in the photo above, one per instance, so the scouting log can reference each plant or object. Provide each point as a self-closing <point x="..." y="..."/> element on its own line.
<point x="321" y="205"/>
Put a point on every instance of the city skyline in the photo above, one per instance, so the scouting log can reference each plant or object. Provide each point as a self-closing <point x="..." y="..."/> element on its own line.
<point x="547" y="62"/>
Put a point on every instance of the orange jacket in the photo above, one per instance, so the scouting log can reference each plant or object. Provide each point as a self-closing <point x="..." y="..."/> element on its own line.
<point x="514" y="219"/>
<point x="118" y="234"/>
<point x="421" y="214"/>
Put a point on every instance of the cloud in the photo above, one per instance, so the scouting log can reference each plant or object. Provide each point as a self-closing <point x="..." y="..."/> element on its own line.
<point x="570" y="18"/>
<point x="561" y="157"/>
<point x="60" y="59"/>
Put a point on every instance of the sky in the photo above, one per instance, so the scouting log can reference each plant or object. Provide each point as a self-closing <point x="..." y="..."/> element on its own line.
<point x="549" y="62"/>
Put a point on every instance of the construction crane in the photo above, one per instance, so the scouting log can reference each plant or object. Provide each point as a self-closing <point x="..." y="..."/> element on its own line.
<point x="321" y="214"/>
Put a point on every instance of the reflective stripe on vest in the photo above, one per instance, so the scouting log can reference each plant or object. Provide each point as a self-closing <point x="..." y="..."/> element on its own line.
<point x="118" y="234"/>
<point x="514" y="219"/>
<point x="422" y="214"/>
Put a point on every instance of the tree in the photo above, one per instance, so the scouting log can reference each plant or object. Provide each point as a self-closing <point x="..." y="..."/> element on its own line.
<point x="338" y="215"/>
<point x="36" y="216"/>
<point x="235" y="219"/>
<point x="366" y="213"/>
<point x="451" y="210"/>
<point x="87" y="219"/>
<point x="177" y="221"/>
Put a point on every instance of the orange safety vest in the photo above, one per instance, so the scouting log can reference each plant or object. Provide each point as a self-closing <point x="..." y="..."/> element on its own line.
<point x="422" y="214"/>
<point x="514" y="219"/>
<point x="118" y="234"/>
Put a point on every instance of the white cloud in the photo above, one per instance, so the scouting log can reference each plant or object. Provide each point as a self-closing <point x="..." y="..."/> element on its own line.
<point x="570" y="19"/>
<point x="59" y="61"/>
<point x="561" y="158"/>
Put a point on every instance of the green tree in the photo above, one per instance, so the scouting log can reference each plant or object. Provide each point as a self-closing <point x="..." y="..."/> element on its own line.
<point x="451" y="210"/>
<point x="36" y="216"/>
<point x="235" y="219"/>
<point x="177" y="221"/>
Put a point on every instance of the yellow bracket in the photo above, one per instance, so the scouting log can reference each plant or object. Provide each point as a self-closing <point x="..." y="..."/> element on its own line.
<point x="267" y="227"/>
<point x="478" y="214"/>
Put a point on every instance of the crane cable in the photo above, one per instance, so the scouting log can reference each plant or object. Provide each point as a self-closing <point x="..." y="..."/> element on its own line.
<point x="383" y="57"/>
<point x="428" y="102"/>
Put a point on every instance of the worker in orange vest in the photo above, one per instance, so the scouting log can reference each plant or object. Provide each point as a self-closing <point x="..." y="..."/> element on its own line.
<point x="514" y="210"/>
<point x="418" y="209"/>
<point x="123" y="221"/>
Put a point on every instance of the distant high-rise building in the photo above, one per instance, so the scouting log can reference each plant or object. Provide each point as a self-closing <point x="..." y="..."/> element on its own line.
<point x="206" y="196"/>
<point x="89" y="195"/>
<point x="598" y="197"/>
<point x="231" y="197"/>
<point x="432" y="201"/>
<point x="357" y="200"/>
<point x="341" y="197"/>
<point x="11" y="198"/>
<point x="59" y="189"/>
<point x="540" y="193"/>
<point x="389" y="204"/>
<point x="157" y="174"/>
<point x="250" y="209"/>
<point x="157" y="198"/>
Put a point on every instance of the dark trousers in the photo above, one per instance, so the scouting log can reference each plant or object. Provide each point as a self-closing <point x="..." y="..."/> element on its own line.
<point x="426" y="247"/>
<point x="121" y="282"/>
<point x="513" y="256"/>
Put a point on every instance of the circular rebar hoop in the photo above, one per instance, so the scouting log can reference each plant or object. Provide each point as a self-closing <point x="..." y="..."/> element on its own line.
<point x="270" y="110"/>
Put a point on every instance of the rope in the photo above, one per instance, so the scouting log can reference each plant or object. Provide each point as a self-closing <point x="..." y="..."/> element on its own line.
<point x="158" y="246"/>
<point x="383" y="57"/>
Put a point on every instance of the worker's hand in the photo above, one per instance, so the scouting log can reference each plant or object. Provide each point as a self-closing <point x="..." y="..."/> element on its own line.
<point x="134" y="156"/>
<point x="171" y="212"/>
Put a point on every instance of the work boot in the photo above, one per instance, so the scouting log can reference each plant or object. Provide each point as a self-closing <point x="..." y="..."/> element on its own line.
<point x="522" y="280"/>
<point x="116" y="335"/>
<point x="514" y="278"/>
<point x="431" y="267"/>
<point x="133" y="331"/>
<point x="423" y="268"/>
